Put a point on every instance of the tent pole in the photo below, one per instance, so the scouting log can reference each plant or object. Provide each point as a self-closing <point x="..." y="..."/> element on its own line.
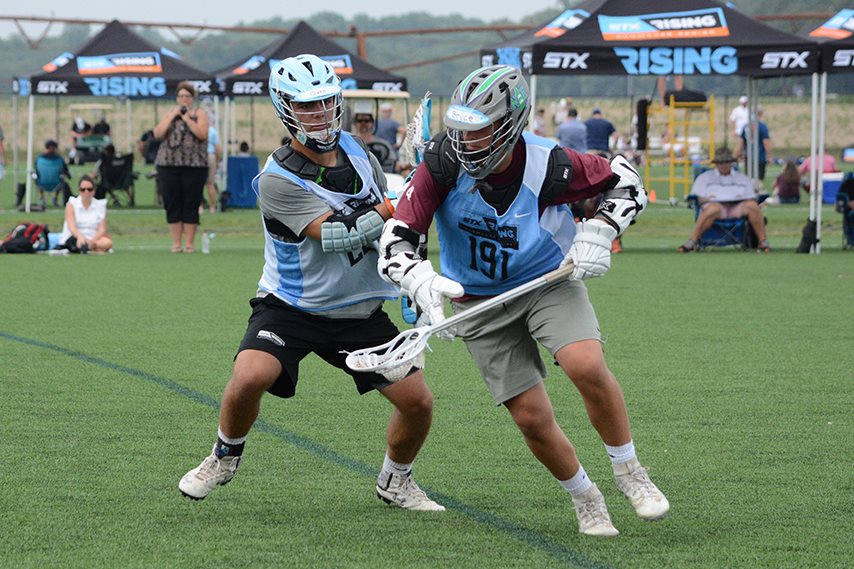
<point x="813" y="146"/>
<point x="252" y="121"/>
<point x="754" y="149"/>
<point x="226" y="111"/>
<point x="15" y="142"/>
<point x="31" y="115"/>
<point x="819" y="166"/>
<point x="233" y="133"/>
<point x="129" y="129"/>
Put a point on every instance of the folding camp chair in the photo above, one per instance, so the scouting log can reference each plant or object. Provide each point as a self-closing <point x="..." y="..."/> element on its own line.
<point x="50" y="177"/>
<point x="726" y="232"/>
<point x="116" y="177"/>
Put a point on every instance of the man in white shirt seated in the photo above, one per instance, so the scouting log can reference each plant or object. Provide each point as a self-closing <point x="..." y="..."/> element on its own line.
<point x="725" y="194"/>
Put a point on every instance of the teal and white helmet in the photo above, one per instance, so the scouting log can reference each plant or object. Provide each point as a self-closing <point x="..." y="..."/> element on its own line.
<point x="307" y="79"/>
<point x="495" y="95"/>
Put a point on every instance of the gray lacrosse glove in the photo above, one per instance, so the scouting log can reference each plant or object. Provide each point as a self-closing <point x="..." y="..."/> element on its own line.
<point x="341" y="234"/>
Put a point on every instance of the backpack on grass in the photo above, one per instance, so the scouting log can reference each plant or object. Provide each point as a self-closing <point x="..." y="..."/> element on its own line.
<point x="26" y="238"/>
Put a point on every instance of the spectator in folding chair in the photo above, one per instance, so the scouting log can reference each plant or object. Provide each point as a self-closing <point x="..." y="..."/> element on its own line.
<point x="51" y="174"/>
<point x="114" y="173"/>
<point x="723" y="193"/>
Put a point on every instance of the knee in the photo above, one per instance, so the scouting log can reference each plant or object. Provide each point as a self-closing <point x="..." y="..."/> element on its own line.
<point x="589" y="374"/>
<point x="533" y="423"/>
<point x="419" y="405"/>
<point x="249" y="381"/>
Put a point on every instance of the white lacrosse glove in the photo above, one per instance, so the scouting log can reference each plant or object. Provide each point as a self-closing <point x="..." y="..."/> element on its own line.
<point x="428" y="290"/>
<point x="591" y="249"/>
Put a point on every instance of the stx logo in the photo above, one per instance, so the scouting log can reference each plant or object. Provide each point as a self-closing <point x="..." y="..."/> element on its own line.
<point x="565" y="60"/>
<point x="52" y="87"/>
<point x="843" y="58"/>
<point x="785" y="60"/>
<point x="202" y="87"/>
<point x="248" y="88"/>
<point x="388" y="86"/>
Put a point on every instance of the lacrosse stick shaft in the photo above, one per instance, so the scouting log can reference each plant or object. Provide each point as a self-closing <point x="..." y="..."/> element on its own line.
<point x="550" y="277"/>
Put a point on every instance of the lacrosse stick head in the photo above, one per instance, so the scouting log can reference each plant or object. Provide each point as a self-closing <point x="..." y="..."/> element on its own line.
<point x="395" y="358"/>
<point x="418" y="132"/>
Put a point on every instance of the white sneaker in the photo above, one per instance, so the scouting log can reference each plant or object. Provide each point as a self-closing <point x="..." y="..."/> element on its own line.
<point x="592" y="513"/>
<point x="401" y="490"/>
<point x="633" y="481"/>
<point x="212" y="472"/>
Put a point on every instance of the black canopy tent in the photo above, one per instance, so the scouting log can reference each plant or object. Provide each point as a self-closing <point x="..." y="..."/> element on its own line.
<point x="517" y="51"/>
<point x="677" y="37"/>
<point x="674" y="37"/>
<point x="116" y="62"/>
<point x="249" y="76"/>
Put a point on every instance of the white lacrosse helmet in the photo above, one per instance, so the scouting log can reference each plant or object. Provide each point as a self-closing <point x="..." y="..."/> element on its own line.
<point x="306" y="79"/>
<point x="496" y="95"/>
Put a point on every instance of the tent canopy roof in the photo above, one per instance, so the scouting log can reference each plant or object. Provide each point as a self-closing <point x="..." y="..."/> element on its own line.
<point x="249" y="76"/>
<point x="115" y="62"/>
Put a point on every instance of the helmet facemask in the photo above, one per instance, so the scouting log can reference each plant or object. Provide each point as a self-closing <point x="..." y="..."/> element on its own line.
<point x="480" y="154"/>
<point x="318" y="128"/>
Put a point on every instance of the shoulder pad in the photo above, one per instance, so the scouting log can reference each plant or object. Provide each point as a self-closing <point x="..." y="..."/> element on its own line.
<point x="361" y="143"/>
<point x="293" y="161"/>
<point x="558" y="175"/>
<point x="441" y="160"/>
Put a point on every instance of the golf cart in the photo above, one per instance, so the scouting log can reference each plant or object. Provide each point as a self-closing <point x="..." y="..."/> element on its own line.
<point x="365" y="101"/>
<point x="88" y="147"/>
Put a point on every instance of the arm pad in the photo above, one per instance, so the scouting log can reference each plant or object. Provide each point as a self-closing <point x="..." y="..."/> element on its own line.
<point x="340" y="234"/>
<point x="622" y="203"/>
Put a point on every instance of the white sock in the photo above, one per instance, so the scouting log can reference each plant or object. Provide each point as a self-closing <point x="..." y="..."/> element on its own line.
<point x="227" y="440"/>
<point x="391" y="467"/>
<point x="621" y="454"/>
<point x="578" y="484"/>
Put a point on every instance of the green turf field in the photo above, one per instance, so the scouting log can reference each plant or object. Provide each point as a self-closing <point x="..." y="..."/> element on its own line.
<point x="737" y="370"/>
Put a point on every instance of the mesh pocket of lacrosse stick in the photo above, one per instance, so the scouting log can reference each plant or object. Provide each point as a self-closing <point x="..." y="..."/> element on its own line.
<point x="395" y="358"/>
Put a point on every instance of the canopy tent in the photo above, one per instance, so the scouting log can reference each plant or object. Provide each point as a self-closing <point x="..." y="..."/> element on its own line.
<point x="116" y="62"/>
<point x="249" y="75"/>
<point x="674" y="37"/>
<point x="517" y="51"/>
<point x="836" y="37"/>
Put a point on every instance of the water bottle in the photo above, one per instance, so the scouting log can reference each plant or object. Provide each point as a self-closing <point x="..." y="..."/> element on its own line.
<point x="206" y="243"/>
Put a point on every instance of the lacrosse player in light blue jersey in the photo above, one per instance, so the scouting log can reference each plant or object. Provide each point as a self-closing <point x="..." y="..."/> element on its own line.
<point x="500" y="200"/>
<point x="323" y="207"/>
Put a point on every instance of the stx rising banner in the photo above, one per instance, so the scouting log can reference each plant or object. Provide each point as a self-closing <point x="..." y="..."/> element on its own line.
<point x="722" y="60"/>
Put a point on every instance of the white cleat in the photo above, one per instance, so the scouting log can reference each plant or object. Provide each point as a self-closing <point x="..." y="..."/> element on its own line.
<point x="592" y="513"/>
<point x="633" y="481"/>
<point x="401" y="490"/>
<point x="212" y="472"/>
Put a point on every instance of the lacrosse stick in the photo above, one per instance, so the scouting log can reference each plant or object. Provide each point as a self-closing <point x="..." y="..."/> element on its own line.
<point x="418" y="132"/>
<point x="395" y="358"/>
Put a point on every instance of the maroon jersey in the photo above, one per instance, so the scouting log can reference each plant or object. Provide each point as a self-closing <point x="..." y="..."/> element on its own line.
<point x="423" y="195"/>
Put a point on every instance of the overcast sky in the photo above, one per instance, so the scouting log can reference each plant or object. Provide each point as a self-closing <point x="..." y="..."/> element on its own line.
<point x="222" y="13"/>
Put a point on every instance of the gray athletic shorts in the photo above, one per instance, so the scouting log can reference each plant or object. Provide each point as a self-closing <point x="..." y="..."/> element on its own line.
<point x="503" y="341"/>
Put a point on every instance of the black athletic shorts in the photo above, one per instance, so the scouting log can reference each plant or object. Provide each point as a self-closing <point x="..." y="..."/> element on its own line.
<point x="290" y="335"/>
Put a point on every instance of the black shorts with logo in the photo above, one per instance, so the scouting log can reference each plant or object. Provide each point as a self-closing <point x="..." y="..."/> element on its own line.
<point x="290" y="334"/>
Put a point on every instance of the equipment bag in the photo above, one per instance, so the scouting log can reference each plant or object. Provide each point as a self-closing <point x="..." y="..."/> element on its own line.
<point x="26" y="238"/>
